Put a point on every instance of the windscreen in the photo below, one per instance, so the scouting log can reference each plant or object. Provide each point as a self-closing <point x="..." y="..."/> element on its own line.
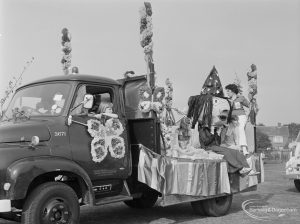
<point x="38" y="100"/>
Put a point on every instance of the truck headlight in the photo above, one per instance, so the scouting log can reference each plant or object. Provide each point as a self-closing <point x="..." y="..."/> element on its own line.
<point x="6" y="186"/>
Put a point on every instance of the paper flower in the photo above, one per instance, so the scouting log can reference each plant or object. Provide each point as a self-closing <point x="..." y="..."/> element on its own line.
<point x="113" y="127"/>
<point x="145" y="106"/>
<point x="117" y="147"/>
<point x="98" y="149"/>
<point x="95" y="128"/>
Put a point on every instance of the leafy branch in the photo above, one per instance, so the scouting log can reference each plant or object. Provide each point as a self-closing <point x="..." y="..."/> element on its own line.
<point x="14" y="83"/>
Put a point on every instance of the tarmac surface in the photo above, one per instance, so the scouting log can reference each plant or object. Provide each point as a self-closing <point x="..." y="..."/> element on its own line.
<point x="275" y="201"/>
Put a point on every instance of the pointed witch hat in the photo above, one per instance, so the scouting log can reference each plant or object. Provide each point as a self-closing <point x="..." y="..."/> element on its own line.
<point x="212" y="84"/>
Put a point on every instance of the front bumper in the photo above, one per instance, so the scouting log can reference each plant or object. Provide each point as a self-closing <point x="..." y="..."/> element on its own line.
<point x="5" y="205"/>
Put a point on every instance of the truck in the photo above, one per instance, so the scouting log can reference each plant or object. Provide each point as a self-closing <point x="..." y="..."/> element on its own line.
<point x="55" y="156"/>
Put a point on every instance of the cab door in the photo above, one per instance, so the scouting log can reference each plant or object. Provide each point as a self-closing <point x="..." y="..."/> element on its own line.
<point x="100" y="146"/>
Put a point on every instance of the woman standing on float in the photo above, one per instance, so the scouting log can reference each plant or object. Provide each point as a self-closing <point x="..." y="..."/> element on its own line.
<point x="238" y="102"/>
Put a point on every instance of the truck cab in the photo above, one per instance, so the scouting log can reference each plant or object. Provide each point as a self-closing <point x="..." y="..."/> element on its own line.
<point x="47" y="142"/>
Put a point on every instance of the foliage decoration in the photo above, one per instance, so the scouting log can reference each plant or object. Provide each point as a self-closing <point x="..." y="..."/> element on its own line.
<point x="252" y="95"/>
<point x="14" y="84"/>
<point x="146" y="31"/>
<point x="66" y="50"/>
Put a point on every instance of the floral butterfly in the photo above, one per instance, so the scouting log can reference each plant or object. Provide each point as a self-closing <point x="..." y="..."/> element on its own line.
<point x="149" y="101"/>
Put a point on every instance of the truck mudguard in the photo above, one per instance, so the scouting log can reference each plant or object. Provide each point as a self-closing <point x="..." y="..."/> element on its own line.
<point x="22" y="172"/>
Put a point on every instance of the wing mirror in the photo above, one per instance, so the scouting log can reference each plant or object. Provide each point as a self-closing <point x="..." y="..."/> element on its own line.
<point x="88" y="101"/>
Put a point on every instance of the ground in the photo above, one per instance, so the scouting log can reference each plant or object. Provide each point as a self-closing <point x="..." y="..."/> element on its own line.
<point x="277" y="192"/>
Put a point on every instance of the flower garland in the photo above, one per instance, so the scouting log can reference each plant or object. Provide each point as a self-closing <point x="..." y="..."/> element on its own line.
<point x="169" y="118"/>
<point x="237" y="82"/>
<point x="66" y="49"/>
<point x="252" y="83"/>
<point x="166" y="133"/>
<point x="146" y="32"/>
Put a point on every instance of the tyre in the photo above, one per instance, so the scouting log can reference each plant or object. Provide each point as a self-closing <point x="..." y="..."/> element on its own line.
<point x="147" y="200"/>
<point x="297" y="184"/>
<point x="52" y="202"/>
<point x="217" y="206"/>
<point x="198" y="208"/>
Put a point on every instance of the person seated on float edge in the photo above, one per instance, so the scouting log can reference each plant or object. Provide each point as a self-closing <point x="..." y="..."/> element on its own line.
<point x="235" y="159"/>
<point x="229" y="137"/>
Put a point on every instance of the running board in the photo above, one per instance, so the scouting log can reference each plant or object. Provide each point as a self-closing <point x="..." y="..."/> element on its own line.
<point x="113" y="199"/>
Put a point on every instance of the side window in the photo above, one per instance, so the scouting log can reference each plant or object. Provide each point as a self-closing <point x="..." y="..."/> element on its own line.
<point x="103" y="96"/>
<point x="79" y="98"/>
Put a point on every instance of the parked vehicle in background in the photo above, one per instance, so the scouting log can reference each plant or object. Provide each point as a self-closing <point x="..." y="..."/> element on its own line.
<point x="293" y="165"/>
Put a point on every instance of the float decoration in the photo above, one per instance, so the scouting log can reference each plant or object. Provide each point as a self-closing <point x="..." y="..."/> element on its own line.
<point x="106" y="137"/>
<point x="146" y="32"/>
<point x="98" y="149"/>
<point x="149" y="101"/>
<point x="252" y="95"/>
<point x="13" y="84"/>
<point x="117" y="147"/>
<point x="169" y="118"/>
<point x="66" y="49"/>
<point x="212" y="84"/>
<point x="237" y="82"/>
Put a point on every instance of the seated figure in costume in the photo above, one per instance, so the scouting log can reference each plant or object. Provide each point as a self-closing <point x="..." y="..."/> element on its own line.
<point x="236" y="160"/>
<point x="229" y="137"/>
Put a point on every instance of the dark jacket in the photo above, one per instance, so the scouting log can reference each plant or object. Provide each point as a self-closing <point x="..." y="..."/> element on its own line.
<point x="208" y="139"/>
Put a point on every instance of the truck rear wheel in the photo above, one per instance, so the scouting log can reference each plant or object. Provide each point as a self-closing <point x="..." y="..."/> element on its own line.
<point x="53" y="203"/>
<point x="147" y="200"/>
<point x="297" y="184"/>
<point x="217" y="206"/>
<point x="198" y="207"/>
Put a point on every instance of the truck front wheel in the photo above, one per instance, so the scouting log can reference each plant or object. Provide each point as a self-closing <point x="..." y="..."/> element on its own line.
<point x="51" y="202"/>
<point x="217" y="206"/>
<point x="297" y="184"/>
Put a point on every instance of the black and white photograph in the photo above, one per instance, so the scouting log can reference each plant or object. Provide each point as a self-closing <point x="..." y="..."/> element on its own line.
<point x="149" y="111"/>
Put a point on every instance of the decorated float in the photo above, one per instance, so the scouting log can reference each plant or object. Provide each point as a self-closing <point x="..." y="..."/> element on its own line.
<point x="182" y="170"/>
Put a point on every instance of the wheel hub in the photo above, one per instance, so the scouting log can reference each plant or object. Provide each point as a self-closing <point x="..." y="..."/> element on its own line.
<point x="56" y="212"/>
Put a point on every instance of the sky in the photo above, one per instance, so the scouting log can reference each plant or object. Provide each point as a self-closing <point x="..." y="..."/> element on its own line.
<point x="190" y="37"/>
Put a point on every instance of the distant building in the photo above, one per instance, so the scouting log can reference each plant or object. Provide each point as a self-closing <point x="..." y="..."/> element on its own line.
<point x="278" y="135"/>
